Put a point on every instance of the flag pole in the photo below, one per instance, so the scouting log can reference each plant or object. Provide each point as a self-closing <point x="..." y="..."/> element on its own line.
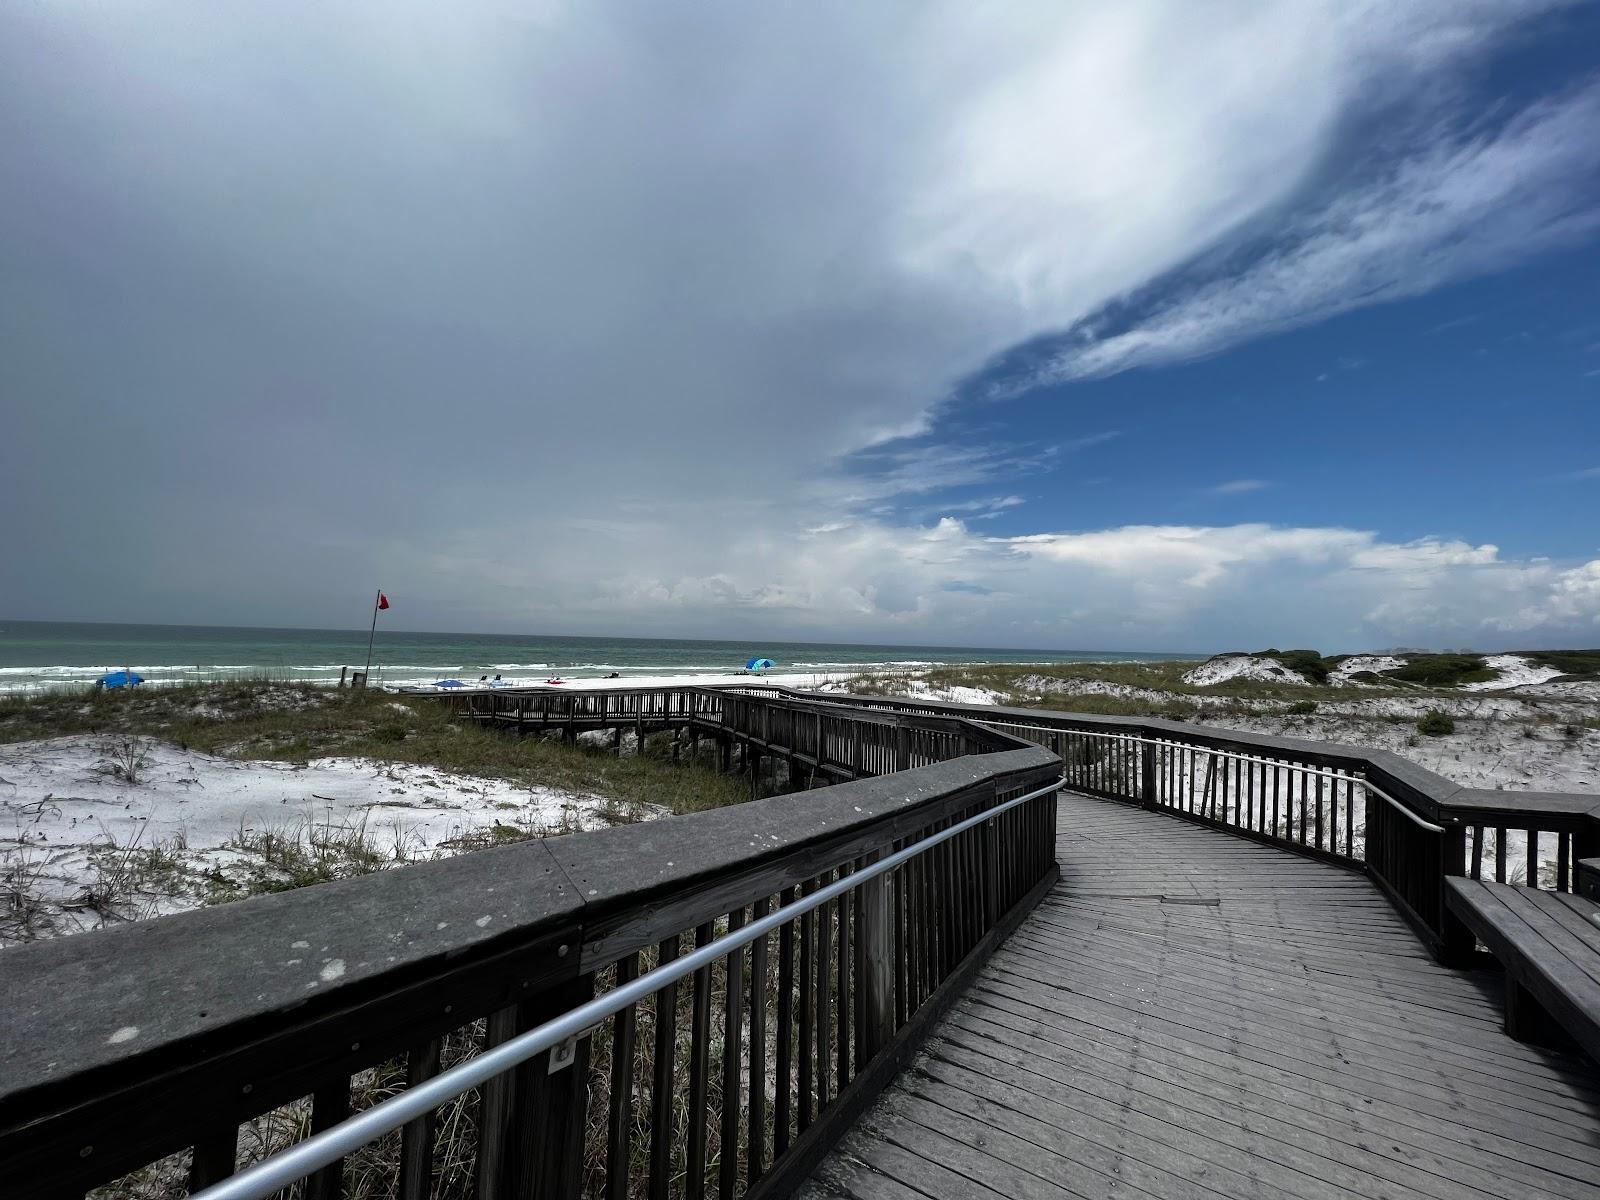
<point x="367" y="670"/>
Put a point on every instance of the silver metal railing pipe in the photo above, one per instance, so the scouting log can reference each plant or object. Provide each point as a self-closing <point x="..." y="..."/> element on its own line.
<point x="291" y="1165"/>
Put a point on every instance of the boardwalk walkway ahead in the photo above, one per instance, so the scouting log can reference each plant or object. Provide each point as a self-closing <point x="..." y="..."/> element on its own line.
<point x="1193" y="1015"/>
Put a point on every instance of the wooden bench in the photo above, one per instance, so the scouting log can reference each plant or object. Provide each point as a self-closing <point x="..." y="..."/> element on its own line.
<point x="1549" y="944"/>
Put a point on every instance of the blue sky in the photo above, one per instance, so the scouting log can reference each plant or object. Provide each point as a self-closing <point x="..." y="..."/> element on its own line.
<point x="1161" y="325"/>
<point x="1472" y="411"/>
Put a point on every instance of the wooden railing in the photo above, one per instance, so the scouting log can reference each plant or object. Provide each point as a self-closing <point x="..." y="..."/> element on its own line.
<point x="1406" y="827"/>
<point x="217" y="1036"/>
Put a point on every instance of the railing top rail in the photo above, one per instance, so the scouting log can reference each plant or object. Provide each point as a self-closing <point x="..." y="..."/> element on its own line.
<point x="287" y="1167"/>
<point x="140" y="1002"/>
<point x="1403" y="781"/>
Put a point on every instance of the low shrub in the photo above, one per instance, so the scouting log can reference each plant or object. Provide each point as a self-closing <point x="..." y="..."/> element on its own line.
<point x="1576" y="664"/>
<point x="1302" y="708"/>
<point x="1444" y="670"/>
<point x="1436" y="723"/>
<point x="1308" y="662"/>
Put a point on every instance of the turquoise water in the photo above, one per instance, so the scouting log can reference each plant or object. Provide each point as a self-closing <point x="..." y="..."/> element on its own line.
<point x="36" y="654"/>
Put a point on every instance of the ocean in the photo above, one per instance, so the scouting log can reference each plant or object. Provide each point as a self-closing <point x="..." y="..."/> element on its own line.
<point x="40" y="655"/>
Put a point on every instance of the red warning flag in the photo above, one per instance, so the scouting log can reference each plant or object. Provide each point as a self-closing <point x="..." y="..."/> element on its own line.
<point x="383" y="601"/>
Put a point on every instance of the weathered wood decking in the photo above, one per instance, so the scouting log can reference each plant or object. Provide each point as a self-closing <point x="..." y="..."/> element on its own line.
<point x="1189" y="1014"/>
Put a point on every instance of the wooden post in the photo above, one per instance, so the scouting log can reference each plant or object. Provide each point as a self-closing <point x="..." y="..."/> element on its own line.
<point x="497" y="1115"/>
<point x="877" y="956"/>
<point x="547" y="1142"/>
<point x="329" y="1106"/>
<point x="902" y="748"/>
<point x="343" y="671"/>
<point x="1456" y="942"/>
<point x="1147" y="776"/>
<point x="989" y="851"/>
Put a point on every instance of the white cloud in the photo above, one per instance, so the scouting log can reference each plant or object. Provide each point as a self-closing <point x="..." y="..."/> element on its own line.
<point x="1137" y="587"/>
<point x="1238" y="487"/>
<point x="1465" y="202"/>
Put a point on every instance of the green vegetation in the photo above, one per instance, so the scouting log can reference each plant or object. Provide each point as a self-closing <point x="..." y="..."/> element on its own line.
<point x="1436" y="724"/>
<point x="1309" y="663"/>
<point x="1301" y="708"/>
<point x="1153" y="689"/>
<point x="287" y="722"/>
<point x="1575" y="664"/>
<point x="1443" y="670"/>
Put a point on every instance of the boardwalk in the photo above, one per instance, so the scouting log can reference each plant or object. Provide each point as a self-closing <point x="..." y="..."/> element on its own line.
<point x="1193" y="1015"/>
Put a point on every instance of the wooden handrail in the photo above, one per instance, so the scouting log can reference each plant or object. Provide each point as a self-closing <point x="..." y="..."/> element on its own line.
<point x="1435" y="827"/>
<point x="183" y="1027"/>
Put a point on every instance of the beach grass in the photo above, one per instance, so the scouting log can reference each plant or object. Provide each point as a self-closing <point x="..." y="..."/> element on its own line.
<point x="1105" y="689"/>
<point x="297" y="722"/>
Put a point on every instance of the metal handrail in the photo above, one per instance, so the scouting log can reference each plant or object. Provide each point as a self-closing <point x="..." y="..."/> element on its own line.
<point x="291" y="1165"/>
<point x="1352" y="777"/>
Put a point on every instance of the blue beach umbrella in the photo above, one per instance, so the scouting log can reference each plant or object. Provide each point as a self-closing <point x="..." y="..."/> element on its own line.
<point x="118" y="679"/>
<point x="449" y="683"/>
<point x="760" y="664"/>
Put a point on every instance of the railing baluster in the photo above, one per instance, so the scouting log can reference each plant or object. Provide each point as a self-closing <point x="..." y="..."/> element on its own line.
<point x="783" y="1035"/>
<point x="663" y="1073"/>
<point x="824" y="1000"/>
<point x="901" y="943"/>
<point x="214" y="1157"/>
<point x="842" y="907"/>
<point x="619" y="1142"/>
<point x="756" y="1160"/>
<point x="417" y="1137"/>
<point x="1350" y="818"/>
<point x="808" y="928"/>
<point x="495" y="1113"/>
<point x="330" y="1104"/>
<point x="699" y="1069"/>
<point x="732" y="1055"/>
<point x="1333" y="814"/>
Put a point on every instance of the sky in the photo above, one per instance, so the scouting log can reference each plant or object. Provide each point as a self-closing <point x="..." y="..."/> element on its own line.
<point x="1178" y="325"/>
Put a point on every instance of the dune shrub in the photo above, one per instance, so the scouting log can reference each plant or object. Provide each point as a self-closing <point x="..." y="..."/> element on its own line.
<point x="1436" y="723"/>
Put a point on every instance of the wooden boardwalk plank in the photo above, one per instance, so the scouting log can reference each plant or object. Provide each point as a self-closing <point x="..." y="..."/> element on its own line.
<point x="1192" y="1015"/>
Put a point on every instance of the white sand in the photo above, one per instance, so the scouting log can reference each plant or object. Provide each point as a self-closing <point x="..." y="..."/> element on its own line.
<point x="1340" y="675"/>
<point x="65" y="823"/>
<point x="804" y="680"/>
<point x="1515" y="672"/>
<point x="1242" y="666"/>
